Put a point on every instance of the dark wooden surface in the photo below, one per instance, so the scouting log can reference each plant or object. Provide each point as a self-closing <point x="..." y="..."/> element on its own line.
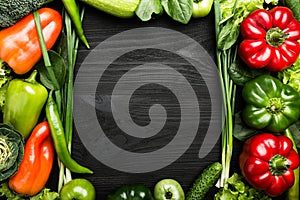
<point x="98" y="27"/>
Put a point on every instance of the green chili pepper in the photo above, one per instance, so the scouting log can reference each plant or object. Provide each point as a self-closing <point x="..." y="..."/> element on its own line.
<point x="24" y="102"/>
<point x="58" y="135"/>
<point x="72" y="9"/>
<point x="79" y="189"/>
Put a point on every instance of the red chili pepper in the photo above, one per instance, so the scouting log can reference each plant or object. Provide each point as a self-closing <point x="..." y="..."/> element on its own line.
<point x="19" y="44"/>
<point x="36" y="164"/>
<point x="270" y="39"/>
<point x="267" y="163"/>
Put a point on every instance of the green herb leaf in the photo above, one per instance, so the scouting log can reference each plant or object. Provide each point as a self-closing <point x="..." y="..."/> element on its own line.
<point x="45" y="194"/>
<point x="295" y="130"/>
<point x="291" y="75"/>
<point x="6" y="192"/>
<point x="178" y="10"/>
<point x="228" y="35"/>
<point x="236" y="188"/>
<point x="240" y="130"/>
<point x="59" y="68"/>
<point x="294" y="5"/>
<point x="146" y="8"/>
<point x="61" y="47"/>
<point x="240" y="74"/>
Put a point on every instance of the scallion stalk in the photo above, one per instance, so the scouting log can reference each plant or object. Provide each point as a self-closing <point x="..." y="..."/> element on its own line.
<point x="67" y="91"/>
<point x="224" y="59"/>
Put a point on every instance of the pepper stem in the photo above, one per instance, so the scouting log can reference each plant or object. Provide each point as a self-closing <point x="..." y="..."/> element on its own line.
<point x="278" y="164"/>
<point x="275" y="105"/>
<point x="32" y="77"/>
<point x="275" y="37"/>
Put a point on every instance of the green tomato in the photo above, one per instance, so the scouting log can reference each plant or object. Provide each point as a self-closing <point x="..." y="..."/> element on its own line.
<point x="201" y="8"/>
<point x="78" y="189"/>
<point x="168" y="189"/>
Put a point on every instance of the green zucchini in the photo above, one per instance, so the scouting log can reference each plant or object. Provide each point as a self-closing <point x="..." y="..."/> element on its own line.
<point x="118" y="8"/>
<point x="204" y="182"/>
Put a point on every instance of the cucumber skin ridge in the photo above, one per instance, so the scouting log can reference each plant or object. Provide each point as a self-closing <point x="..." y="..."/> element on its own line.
<point x="204" y="182"/>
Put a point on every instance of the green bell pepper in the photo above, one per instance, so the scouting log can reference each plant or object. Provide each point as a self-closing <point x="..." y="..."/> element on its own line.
<point x="270" y="104"/>
<point x="131" y="192"/>
<point x="78" y="189"/>
<point x="24" y="102"/>
<point x="201" y="8"/>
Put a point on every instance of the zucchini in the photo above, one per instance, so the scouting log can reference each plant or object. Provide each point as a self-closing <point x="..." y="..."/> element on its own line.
<point x="204" y="182"/>
<point x="118" y="8"/>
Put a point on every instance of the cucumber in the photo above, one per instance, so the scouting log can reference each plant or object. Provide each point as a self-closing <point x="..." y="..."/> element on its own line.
<point x="204" y="182"/>
<point x="118" y="8"/>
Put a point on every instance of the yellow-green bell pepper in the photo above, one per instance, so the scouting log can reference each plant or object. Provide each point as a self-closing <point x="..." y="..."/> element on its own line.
<point x="24" y="102"/>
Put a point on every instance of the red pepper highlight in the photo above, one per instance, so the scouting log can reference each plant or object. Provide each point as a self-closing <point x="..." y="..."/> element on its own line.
<point x="19" y="44"/>
<point x="267" y="163"/>
<point x="270" y="39"/>
<point x="35" y="168"/>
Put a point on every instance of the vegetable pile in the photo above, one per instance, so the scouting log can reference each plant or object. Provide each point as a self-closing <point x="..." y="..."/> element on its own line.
<point x="257" y="51"/>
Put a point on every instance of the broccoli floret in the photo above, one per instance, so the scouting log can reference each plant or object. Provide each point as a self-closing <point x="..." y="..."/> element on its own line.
<point x="13" y="10"/>
<point x="5" y="77"/>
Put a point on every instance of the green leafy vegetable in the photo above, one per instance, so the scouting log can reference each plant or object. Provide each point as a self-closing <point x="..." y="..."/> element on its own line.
<point x="14" y="10"/>
<point x="5" y="78"/>
<point x="46" y="193"/>
<point x="59" y="68"/>
<point x="228" y="16"/>
<point x="229" y="34"/>
<point x="241" y="131"/>
<point x="236" y="189"/>
<point x="179" y="10"/>
<point x="291" y="75"/>
<point x="12" y="151"/>
<point x="294" y="5"/>
<point x="295" y="130"/>
<point x="241" y="74"/>
<point x="232" y="14"/>
<point x="146" y="8"/>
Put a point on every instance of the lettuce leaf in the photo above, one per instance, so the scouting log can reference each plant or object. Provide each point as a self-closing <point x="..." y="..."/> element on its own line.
<point x="46" y="193"/>
<point x="291" y="75"/>
<point x="236" y="189"/>
<point x="233" y="12"/>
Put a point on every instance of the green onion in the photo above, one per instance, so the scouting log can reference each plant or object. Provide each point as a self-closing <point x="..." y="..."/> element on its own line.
<point x="224" y="59"/>
<point x="64" y="95"/>
<point x="72" y="46"/>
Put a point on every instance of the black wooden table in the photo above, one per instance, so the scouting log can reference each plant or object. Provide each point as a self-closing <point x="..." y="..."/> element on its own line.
<point x="112" y="171"/>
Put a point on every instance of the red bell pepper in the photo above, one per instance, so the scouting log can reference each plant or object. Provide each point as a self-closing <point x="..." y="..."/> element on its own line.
<point x="267" y="162"/>
<point x="270" y="39"/>
<point x="19" y="44"/>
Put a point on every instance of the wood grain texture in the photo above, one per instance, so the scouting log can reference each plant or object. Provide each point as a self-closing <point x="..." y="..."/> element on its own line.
<point x="98" y="27"/>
